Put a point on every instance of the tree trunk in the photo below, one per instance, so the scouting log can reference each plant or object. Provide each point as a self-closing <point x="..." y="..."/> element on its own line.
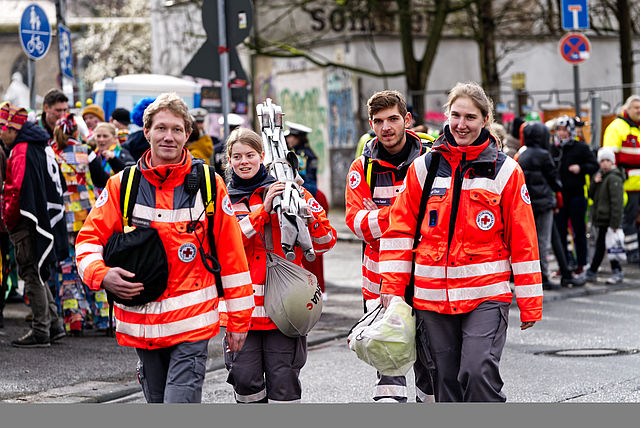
<point x="486" y="39"/>
<point x="626" y="49"/>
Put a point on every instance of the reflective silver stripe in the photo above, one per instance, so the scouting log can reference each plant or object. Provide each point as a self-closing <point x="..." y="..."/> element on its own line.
<point x="321" y="250"/>
<point x="357" y="221"/>
<point x="284" y="402"/>
<point x="168" y="329"/>
<point x="236" y="280"/>
<point x="239" y="303"/>
<point x="259" y="312"/>
<point x="481" y="269"/>
<point x="255" y="207"/>
<point x="397" y="266"/>
<point x="435" y="295"/>
<point x="534" y="290"/>
<point x="87" y="261"/>
<point x="258" y="290"/>
<point x="169" y="216"/>
<point x="374" y="227"/>
<point x="496" y="185"/>
<point x="222" y="307"/>
<point x="250" y="398"/>
<point x="521" y="268"/>
<point x="431" y="271"/>
<point x="396" y="244"/>
<point x="630" y="150"/>
<point x="247" y="227"/>
<point x="386" y="192"/>
<point x="441" y="183"/>
<point x="391" y="391"/>
<point x="424" y="397"/>
<point x="370" y="265"/>
<point x="470" y="293"/>
<point x="323" y="239"/>
<point x="421" y="170"/>
<point x="175" y="303"/>
<point x="371" y="286"/>
<point x="88" y="248"/>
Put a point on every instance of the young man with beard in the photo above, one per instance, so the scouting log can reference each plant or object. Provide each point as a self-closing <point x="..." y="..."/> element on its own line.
<point x="374" y="181"/>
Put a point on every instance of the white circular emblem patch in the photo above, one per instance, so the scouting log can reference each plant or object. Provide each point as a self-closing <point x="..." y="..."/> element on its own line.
<point x="485" y="220"/>
<point x="354" y="179"/>
<point x="314" y="205"/>
<point x="103" y="198"/>
<point x="187" y="252"/>
<point x="524" y="192"/>
<point x="226" y="206"/>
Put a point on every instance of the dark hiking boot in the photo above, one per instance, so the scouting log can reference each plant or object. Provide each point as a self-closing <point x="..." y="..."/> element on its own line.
<point x="32" y="340"/>
<point x="56" y="334"/>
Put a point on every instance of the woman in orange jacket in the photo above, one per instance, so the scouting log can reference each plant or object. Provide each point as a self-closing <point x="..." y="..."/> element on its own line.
<point x="268" y="366"/>
<point x="478" y="227"/>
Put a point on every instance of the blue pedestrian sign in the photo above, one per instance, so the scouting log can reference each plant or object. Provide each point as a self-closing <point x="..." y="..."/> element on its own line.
<point x="575" y="15"/>
<point x="64" y="46"/>
<point x="35" y="32"/>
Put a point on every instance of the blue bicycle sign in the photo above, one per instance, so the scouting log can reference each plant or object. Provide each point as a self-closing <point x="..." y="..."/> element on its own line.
<point x="35" y="32"/>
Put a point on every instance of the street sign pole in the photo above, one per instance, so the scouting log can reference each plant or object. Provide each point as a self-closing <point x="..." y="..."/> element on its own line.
<point x="31" y="78"/>
<point x="225" y="93"/>
<point x="576" y="89"/>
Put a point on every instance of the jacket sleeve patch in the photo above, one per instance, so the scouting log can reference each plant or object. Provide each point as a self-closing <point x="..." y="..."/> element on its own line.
<point x="226" y="206"/>
<point x="314" y="205"/>
<point x="104" y="197"/>
<point x="354" y="179"/>
<point x="524" y="192"/>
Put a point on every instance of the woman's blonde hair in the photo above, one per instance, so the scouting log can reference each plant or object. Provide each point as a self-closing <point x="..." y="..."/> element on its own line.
<point x="110" y="126"/>
<point x="476" y="94"/>
<point x="244" y="136"/>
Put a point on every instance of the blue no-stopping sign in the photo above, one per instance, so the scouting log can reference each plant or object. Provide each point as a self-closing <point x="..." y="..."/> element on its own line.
<point x="35" y="32"/>
<point x="575" y="48"/>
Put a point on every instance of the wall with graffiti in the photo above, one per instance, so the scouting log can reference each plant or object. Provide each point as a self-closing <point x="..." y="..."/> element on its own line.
<point x="342" y="123"/>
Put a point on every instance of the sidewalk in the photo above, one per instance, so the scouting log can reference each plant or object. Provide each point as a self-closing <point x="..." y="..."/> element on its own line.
<point x="342" y="309"/>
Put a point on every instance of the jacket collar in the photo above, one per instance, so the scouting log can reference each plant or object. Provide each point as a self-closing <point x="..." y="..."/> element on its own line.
<point x="630" y="121"/>
<point x="166" y="175"/>
<point x="482" y="154"/>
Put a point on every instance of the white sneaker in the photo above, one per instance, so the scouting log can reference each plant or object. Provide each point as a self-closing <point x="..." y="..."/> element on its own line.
<point x="616" y="278"/>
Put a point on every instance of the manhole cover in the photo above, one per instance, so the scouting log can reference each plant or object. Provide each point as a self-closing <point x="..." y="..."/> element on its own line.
<point x="589" y="352"/>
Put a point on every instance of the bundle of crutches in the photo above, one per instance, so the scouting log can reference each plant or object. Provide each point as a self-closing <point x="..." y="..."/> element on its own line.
<point x="282" y="163"/>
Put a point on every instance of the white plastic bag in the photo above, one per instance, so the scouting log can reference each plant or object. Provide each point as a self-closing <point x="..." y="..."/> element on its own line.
<point x="386" y="339"/>
<point x="614" y="242"/>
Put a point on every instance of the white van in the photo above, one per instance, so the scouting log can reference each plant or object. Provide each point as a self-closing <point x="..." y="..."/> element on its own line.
<point x="125" y="91"/>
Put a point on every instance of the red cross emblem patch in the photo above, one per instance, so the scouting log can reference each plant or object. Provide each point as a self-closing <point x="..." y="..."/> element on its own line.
<point x="485" y="220"/>
<point x="524" y="192"/>
<point x="187" y="252"/>
<point x="354" y="179"/>
<point x="314" y="205"/>
<point x="226" y="206"/>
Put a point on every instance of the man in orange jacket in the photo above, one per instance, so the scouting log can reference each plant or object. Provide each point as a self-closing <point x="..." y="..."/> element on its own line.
<point x="171" y="333"/>
<point x="374" y="180"/>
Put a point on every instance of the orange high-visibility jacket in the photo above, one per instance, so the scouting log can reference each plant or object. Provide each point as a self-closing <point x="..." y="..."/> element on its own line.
<point x="188" y="309"/>
<point x="369" y="225"/>
<point x="478" y="227"/>
<point x="252" y="219"/>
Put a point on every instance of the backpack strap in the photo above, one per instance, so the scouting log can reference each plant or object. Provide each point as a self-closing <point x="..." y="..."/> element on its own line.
<point x="129" y="192"/>
<point x="426" y="192"/>
<point x="209" y="192"/>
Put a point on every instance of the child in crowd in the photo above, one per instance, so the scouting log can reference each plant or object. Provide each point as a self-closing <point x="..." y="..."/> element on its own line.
<point x="607" y="194"/>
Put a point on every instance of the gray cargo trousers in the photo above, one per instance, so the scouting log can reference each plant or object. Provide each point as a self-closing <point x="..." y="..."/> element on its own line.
<point x="466" y="350"/>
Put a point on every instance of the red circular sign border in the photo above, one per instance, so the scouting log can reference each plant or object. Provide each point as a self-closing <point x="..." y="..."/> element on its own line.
<point x="565" y="38"/>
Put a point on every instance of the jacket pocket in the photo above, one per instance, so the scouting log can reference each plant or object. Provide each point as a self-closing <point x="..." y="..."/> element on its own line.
<point x="483" y="224"/>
